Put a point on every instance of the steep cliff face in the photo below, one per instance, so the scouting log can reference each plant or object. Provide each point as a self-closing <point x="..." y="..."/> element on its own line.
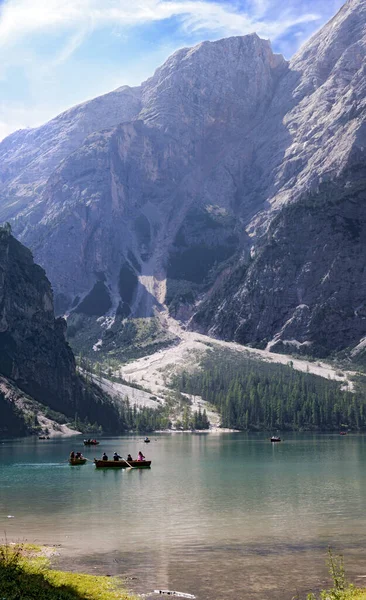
<point x="112" y="211"/>
<point x="33" y="351"/>
<point x="304" y="289"/>
<point x="29" y="156"/>
<point x="181" y="201"/>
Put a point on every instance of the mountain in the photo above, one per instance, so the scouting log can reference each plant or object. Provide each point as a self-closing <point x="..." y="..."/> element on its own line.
<point x="304" y="287"/>
<point x="34" y="356"/>
<point x="229" y="186"/>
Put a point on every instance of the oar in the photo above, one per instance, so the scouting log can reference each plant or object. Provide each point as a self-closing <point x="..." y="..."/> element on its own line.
<point x="131" y="467"/>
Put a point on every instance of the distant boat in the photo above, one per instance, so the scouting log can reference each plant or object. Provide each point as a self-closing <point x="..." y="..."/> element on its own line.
<point x="43" y="437"/>
<point x="91" y="443"/>
<point x="275" y="438"/>
<point x="343" y="433"/>
<point x="77" y="461"/>
<point x="121" y="464"/>
<point x="147" y="441"/>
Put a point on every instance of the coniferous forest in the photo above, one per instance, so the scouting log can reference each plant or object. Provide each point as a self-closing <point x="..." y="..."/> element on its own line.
<point x="256" y="395"/>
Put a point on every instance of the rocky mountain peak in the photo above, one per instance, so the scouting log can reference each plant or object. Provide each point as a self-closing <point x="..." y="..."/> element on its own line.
<point x="343" y="35"/>
<point x="28" y="156"/>
<point x="213" y="82"/>
<point x="165" y="201"/>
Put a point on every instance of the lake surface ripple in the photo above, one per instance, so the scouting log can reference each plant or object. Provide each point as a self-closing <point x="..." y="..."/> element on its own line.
<point x="221" y="516"/>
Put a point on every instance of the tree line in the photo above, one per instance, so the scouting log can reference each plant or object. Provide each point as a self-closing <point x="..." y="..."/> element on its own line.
<point x="255" y="395"/>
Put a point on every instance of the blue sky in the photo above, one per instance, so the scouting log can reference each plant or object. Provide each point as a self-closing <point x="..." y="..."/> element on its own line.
<point x="57" y="53"/>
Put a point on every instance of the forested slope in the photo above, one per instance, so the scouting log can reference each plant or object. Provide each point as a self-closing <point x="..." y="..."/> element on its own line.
<point x="256" y="395"/>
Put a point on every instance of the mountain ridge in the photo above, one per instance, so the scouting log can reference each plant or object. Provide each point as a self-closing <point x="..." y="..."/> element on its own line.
<point x="179" y="200"/>
<point x="37" y="365"/>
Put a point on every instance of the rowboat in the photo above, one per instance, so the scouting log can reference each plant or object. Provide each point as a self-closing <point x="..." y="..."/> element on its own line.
<point x="77" y="461"/>
<point x="121" y="464"/>
<point x="275" y="438"/>
<point x="91" y="443"/>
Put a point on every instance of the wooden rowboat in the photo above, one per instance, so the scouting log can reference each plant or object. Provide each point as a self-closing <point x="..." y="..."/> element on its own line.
<point x="77" y="461"/>
<point x="91" y="443"/>
<point x="275" y="438"/>
<point x="121" y="464"/>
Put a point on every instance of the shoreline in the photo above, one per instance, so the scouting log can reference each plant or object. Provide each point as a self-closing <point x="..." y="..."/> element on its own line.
<point x="212" y="430"/>
<point x="58" y="566"/>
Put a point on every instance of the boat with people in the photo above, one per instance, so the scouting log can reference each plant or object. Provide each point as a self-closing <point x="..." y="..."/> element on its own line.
<point x="276" y="438"/>
<point x="91" y="442"/>
<point x="76" y="458"/>
<point x="147" y="440"/>
<point x="121" y="464"/>
<point x="77" y="461"/>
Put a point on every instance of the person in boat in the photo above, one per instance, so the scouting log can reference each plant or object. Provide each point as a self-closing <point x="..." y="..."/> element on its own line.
<point x="147" y="439"/>
<point x="104" y="457"/>
<point x="72" y="454"/>
<point x="116" y="456"/>
<point x="129" y="458"/>
<point x="140" y="456"/>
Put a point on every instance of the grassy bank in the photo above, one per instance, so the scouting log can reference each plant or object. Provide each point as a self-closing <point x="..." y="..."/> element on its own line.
<point x="25" y="574"/>
<point x="341" y="589"/>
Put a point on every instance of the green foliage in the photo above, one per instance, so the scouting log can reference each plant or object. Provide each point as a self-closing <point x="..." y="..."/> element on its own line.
<point x="180" y="291"/>
<point x="192" y="421"/>
<point x="25" y="574"/>
<point x="341" y="590"/>
<point x="143" y="419"/>
<point x="256" y="395"/>
<point x="126" y="339"/>
<point x="55" y="416"/>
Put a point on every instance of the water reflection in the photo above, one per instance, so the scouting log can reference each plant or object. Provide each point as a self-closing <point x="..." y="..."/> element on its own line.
<point x="215" y="513"/>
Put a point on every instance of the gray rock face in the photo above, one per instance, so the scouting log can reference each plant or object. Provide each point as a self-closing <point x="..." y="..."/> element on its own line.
<point x="179" y="200"/>
<point x="304" y="290"/>
<point x="33" y="352"/>
<point x="29" y="156"/>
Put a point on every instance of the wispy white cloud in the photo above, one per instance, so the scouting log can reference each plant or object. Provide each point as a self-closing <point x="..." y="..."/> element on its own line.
<point x="22" y="18"/>
<point x="41" y="42"/>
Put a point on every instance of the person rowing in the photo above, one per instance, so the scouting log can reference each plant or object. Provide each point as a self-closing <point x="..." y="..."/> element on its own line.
<point x="116" y="456"/>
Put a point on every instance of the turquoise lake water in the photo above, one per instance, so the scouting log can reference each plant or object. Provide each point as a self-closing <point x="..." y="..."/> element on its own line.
<point x="221" y="516"/>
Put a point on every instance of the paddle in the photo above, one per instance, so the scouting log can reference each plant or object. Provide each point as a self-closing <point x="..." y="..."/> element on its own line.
<point x="126" y="461"/>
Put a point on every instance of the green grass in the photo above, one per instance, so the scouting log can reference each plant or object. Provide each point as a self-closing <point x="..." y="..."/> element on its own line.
<point x="25" y="574"/>
<point x="125" y="340"/>
<point x="341" y="589"/>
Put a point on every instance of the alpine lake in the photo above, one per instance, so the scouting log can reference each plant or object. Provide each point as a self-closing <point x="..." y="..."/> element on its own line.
<point x="222" y="516"/>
